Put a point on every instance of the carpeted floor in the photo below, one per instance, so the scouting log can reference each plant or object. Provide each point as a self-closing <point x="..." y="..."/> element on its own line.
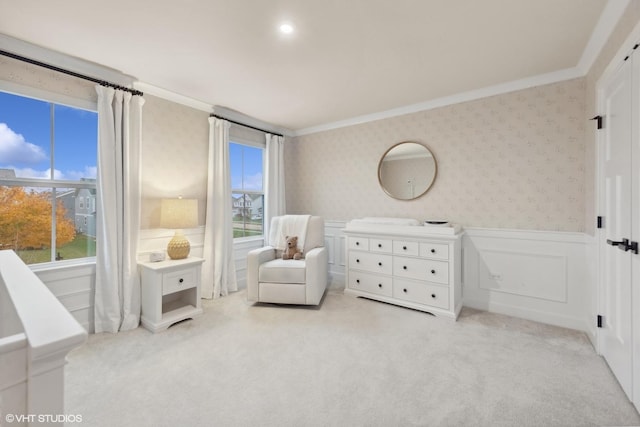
<point x="349" y="362"/>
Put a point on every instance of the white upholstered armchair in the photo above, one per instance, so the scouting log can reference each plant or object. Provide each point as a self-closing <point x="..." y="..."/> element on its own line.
<point x="274" y="280"/>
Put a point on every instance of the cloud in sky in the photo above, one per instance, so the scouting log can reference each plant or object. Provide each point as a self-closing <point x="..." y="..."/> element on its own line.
<point x="15" y="149"/>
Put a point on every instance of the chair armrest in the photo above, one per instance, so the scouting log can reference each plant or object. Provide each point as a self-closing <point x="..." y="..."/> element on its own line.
<point x="317" y="262"/>
<point x="256" y="257"/>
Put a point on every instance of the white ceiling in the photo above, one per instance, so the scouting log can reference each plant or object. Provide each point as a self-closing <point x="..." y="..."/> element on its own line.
<point x="347" y="59"/>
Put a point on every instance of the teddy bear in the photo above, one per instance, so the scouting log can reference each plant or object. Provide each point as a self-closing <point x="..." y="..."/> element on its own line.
<point x="291" y="251"/>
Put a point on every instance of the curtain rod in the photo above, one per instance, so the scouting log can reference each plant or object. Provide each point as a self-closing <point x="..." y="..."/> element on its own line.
<point x="70" y="73"/>
<point x="247" y="126"/>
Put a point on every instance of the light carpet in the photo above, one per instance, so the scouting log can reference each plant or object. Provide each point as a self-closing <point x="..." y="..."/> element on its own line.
<point x="349" y="362"/>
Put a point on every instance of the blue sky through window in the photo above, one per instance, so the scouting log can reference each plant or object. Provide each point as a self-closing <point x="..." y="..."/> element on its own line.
<point x="246" y="167"/>
<point x="25" y="139"/>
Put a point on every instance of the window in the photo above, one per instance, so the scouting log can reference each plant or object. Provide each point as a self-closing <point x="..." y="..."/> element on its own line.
<point x="48" y="156"/>
<point x="246" y="162"/>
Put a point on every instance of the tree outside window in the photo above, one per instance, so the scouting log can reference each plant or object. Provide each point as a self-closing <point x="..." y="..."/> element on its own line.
<point x="48" y="156"/>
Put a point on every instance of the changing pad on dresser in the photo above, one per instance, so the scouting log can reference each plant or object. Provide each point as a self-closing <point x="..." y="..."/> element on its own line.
<point x="401" y="226"/>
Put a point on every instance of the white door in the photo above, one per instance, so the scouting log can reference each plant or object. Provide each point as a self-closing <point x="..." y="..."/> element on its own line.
<point x="615" y="337"/>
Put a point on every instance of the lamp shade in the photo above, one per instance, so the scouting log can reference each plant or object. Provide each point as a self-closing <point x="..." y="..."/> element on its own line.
<point x="179" y="213"/>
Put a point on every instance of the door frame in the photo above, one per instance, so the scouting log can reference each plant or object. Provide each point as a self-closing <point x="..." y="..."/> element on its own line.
<point x="626" y="49"/>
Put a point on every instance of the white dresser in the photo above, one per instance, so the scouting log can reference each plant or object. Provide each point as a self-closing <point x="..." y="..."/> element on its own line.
<point x="412" y="266"/>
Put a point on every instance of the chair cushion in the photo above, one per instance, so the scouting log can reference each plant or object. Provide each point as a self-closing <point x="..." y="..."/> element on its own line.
<point x="283" y="271"/>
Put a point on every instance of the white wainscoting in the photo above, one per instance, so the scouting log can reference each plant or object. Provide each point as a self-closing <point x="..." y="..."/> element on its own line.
<point x="536" y="275"/>
<point x="74" y="286"/>
<point x="543" y="276"/>
<point x="334" y="240"/>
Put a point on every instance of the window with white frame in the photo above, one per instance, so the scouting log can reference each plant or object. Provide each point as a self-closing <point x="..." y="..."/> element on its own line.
<point x="48" y="157"/>
<point x="246" y="159"/>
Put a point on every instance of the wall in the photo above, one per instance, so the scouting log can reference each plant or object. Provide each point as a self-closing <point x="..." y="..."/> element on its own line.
<point x="174" y="157"/>
<point x="509" y="161"/>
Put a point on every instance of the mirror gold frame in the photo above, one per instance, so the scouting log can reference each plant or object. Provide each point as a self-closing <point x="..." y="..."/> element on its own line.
<point x="407" y="170"/>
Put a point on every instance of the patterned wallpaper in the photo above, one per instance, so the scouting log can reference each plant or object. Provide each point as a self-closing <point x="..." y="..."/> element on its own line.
<point x="174" y="156"/>
<point x="509" y="161"/>
<point x="26" y="74"/>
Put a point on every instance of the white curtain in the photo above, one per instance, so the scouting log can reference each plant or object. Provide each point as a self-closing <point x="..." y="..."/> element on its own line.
<point x="218" y="269"/>
<point x="274" y="180"/>
<point x="117" y="296"/>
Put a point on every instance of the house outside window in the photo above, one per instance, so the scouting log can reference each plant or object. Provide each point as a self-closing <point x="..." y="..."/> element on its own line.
<point x="246" y="162"/>
<point x="48" y="156"/>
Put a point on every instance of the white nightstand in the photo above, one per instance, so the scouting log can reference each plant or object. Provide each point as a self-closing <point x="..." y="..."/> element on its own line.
<point x="170" y="292"/>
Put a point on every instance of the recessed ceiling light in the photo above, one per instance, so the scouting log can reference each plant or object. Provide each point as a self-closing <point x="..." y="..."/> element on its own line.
<point x="286" y="28"/>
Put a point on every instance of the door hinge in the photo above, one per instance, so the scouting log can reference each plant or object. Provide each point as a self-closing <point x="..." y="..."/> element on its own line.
<point x="599" y="222"/>
<point x="599" y="121"/>
<point x="599" y="321"/>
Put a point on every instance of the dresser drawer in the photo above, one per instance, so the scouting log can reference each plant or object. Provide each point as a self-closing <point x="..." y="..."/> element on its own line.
<point x="401" y="247"/>
<point x="434" y="250"/>
<point x="380" y="245"/>
<point x="178" y="280"/>
<point x="367" y="261"/>
<point x="372" y="283"/>
<point x="421" y="293"/>
<point x="358" y="243"/>
<point x="421" y="269"/>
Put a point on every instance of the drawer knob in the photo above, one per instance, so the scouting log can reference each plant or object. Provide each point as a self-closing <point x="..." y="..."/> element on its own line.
<point x="433" y="272"/>
<point x="357" y="260"/>
<point x="433" y="295"/>
<point x="357" y="280"/>
<point x="379" y="285"/>
<point x="404" y="267"/>
<point x="380" y="264"/>
<point x="181" y="280"/>
<point x="433" y="251"/>
<point x="357" y="243"/>
<point x="404" y="290"/>
<point x="379" y="245"/>
<point x="404" y="248"/>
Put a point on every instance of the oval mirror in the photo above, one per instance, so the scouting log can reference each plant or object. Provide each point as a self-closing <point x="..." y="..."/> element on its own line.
<point x="407" y="170"/>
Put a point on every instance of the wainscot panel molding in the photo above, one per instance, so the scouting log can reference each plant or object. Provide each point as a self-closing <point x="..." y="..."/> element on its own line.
<point x="535" y="275"/>
<point x="334" y="240"/>
<point x="74" y="286"/>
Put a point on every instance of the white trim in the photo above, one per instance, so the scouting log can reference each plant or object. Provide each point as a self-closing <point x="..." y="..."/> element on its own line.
<point x="61" y="60"/>
<point x="529" y="82"/>
<point x="150" y="89"/>
<point x="609" y="18"/>
<point x="542" y="235"/>
<point x="625" y="48"/>
<point x="607" y="22"/>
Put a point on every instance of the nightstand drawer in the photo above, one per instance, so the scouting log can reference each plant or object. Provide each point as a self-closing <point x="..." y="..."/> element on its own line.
<point x="178" y="280"/>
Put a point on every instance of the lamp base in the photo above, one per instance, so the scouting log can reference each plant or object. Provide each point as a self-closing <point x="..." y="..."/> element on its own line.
<point x="178" y="247"/>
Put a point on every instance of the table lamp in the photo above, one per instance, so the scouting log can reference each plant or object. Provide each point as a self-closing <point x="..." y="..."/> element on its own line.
<point x="179" y="214"/>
